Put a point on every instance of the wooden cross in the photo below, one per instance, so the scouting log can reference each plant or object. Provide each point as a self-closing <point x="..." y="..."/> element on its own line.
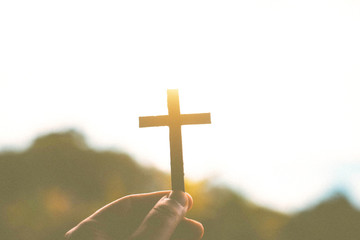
<point x="174" y="120"/>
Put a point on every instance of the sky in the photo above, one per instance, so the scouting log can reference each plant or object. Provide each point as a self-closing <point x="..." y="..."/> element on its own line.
<point x="280" y="78"/>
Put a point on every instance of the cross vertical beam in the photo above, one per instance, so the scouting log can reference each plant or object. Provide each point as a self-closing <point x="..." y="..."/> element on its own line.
<point x="176" y="154"/>
<point x="174" y="120"/>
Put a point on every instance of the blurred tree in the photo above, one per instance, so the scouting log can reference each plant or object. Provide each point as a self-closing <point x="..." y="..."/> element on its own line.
<point x="333" y="219"/>
<point x="59" y="180"/>
<point x="229" y="217"/>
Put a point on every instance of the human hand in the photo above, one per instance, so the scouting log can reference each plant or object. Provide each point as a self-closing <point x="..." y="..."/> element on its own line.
<point x="150" y="216"/>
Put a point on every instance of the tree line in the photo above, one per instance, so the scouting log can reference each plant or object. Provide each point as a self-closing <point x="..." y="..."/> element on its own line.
<point x="59" y="180"/>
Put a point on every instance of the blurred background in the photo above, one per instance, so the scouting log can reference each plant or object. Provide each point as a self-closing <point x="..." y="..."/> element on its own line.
<point x="281" y="159"/>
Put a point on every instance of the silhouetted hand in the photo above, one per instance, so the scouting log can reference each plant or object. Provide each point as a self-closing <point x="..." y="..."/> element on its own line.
<point x="150" y="216"/>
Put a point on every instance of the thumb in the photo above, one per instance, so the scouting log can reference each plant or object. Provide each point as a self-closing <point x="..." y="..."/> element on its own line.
<point x="163" y="218"/>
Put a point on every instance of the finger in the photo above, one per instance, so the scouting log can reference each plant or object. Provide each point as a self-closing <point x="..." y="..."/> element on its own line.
<point x="86" y="230"/>
<point x="136" y="205"/>
<point x="119" y="218"/>
<point x="188" y="229"/>
<point x="123" y="216"/>
<point x="163" y="218"/>
<point x="128" y="203"/>
<point x="150" y="199"/>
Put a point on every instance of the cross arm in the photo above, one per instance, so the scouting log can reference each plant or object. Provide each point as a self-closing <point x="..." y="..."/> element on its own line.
<point x="197" y="118"/>
<point x="154" y="121"/>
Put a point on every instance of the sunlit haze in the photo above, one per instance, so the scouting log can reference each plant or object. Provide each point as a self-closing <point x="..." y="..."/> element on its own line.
<point x="280" y="78"/>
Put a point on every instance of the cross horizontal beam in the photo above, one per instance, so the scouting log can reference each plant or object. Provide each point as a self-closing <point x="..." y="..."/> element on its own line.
<point x="154" y="121"/>
<point x="164" y="120"/>
<point x="196" y="118"/>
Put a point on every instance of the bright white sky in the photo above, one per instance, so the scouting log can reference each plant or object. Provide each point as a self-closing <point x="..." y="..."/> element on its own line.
<point x="280" y="78"/>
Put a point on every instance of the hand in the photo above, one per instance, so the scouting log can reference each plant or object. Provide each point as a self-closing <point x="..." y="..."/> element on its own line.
<point x="150" y="216"/>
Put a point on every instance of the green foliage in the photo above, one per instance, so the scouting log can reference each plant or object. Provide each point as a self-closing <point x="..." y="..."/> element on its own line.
<point x="58" y="181"/>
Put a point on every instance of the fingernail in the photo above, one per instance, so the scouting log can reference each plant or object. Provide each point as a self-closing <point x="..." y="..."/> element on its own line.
<point x="179" y="196"/>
